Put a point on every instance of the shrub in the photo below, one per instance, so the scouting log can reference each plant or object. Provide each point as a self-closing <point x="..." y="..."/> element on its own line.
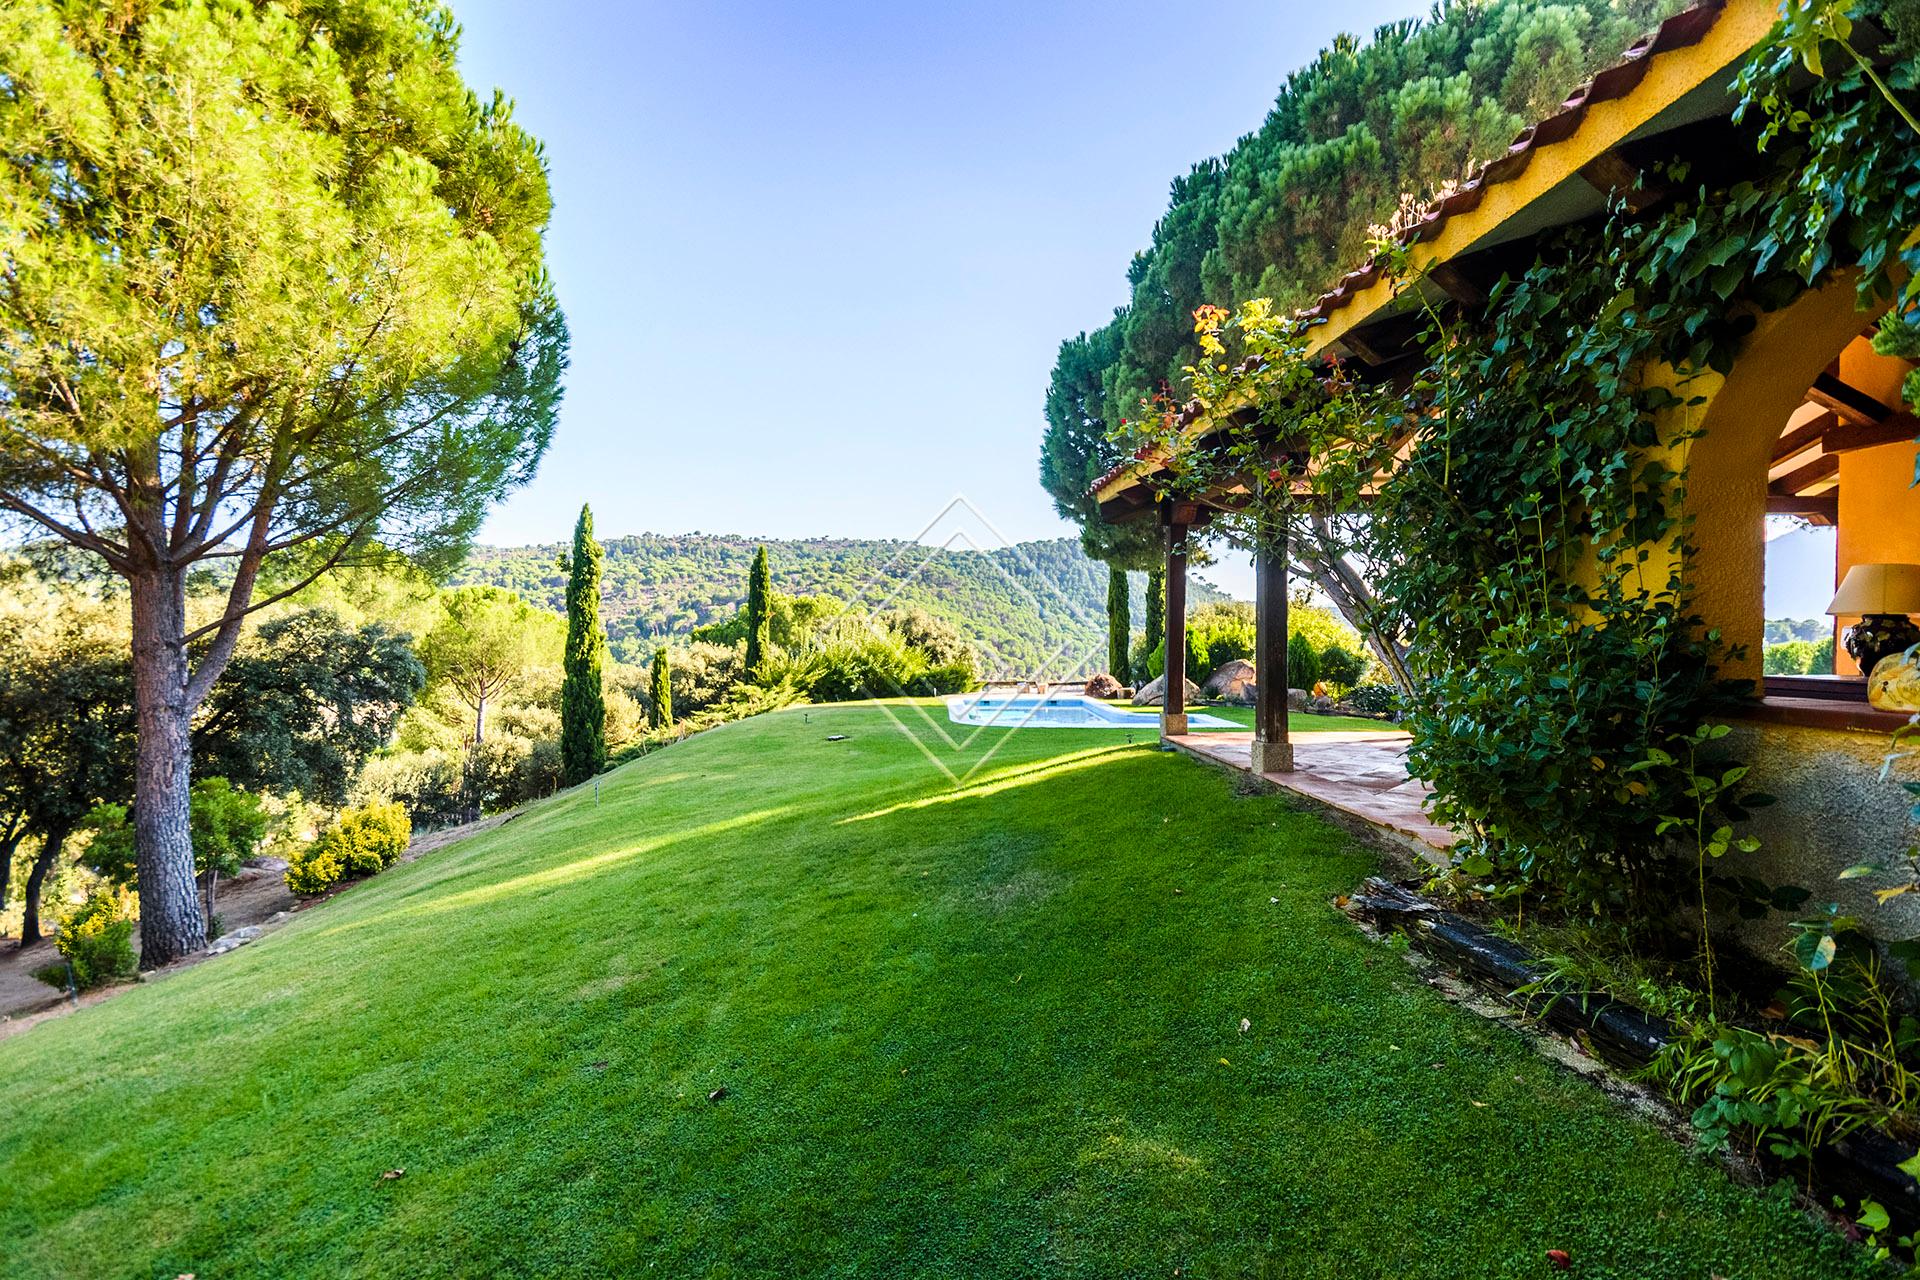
<point x="951" y="677"/>
<point x="1342" y="667"/>
<point x="866" y="662"/>
<point x="369" y="839"/>
<point x="361" y="842"/>
<point x="1374" y="699"/>
<point x="1102" y="685"/>
<point x="1303" y="662"/>
<point x="313" y="869"/>
<point x="97" y="940"/>
<point x="935" y="637"/>
<point x="701" y="675"/>
<point x="426" y="783"/>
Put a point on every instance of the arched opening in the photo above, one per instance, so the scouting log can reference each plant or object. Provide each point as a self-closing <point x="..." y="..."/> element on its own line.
<point x="1805" y="440"/>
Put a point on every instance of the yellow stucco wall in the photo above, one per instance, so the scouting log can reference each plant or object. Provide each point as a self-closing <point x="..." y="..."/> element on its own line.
<point x="1727" y="467"/>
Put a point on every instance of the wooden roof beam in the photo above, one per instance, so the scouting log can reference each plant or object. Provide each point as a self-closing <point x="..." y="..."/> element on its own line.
<point x="1805" y="436"/>
<point x="1852" y="404"/>
<point x="1823" y="468"/>
<point x="1899" y="428"/>
<point x="1618" y="178"/>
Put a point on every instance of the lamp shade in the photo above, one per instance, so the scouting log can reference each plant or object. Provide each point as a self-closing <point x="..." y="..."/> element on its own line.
<point x="1878" y="588"/>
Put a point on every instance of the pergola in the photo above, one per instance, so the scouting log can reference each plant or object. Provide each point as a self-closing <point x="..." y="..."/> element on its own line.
<point x="1671" y="90"/>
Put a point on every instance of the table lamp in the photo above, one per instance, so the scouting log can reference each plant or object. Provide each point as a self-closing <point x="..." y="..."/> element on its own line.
<point x="1882" y="595"/>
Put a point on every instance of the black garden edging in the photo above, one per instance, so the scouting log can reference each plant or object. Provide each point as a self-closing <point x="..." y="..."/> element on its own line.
<point x="1862" y="1166"/>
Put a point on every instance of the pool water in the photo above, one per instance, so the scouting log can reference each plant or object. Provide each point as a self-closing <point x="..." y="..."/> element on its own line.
<point x="1061" y="711"/>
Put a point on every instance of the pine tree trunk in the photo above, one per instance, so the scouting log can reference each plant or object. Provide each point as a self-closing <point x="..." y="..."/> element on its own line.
<point x="9" y="843"/>
<point x="36" y="879"/>
<point x="171" y="924"/>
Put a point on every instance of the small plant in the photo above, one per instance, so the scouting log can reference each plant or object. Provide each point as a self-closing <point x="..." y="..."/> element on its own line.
<point x="313" y="870"/>
<point x="97" y="940"/>
<point x="367" y="840"/>
<point x="1374" y="699"/>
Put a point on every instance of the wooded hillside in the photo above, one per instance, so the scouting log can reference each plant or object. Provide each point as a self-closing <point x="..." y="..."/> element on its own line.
<point x="1018" y="605"/>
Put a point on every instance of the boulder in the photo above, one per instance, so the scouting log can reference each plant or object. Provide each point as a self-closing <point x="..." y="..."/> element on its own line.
<point x="1154" y="692"/>
<point x="1232" y="682"/>
<point x="1321" y="705"/>
<point x="266" y="864"/>
<point x="1297" y="699"/>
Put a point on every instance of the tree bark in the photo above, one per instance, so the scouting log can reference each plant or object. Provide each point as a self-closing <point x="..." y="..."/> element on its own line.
<point x="43" y="862"/>
<point x="171" y="924"/>
<point x="9" y="844"/>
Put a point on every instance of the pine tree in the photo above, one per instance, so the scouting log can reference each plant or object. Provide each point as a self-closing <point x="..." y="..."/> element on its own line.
<point x="1156" y="618"/>
<point x="198" y="199"/>
<point x="759" y="603"/>
<point x="583" y="704"/>
<point x="661" y="714"/>
<point x="1119" y="624"/>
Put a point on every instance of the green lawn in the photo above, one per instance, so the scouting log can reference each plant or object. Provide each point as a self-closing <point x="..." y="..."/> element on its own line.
<point x="1242" y="717"/>
<point x="976" y="1032"/>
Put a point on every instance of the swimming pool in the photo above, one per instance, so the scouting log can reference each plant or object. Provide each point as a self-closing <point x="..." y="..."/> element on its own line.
<point x="1061" y="711"/>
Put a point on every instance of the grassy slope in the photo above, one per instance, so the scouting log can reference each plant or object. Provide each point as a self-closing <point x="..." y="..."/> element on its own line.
<point x="972" y="1033"/>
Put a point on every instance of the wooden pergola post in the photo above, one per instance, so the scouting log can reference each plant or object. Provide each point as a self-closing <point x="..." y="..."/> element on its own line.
<point x="1173" y="707"/>
<point x="1272" y="751"/>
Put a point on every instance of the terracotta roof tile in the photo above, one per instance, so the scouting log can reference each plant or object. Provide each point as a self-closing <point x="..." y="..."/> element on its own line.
<point x="1682" y="30"/>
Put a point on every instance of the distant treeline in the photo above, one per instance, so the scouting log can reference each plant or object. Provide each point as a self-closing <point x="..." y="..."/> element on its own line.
<point x="1019" y="607"/>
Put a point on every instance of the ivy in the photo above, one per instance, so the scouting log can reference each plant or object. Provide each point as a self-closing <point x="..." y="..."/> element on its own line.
<point x="1531" y="536"/>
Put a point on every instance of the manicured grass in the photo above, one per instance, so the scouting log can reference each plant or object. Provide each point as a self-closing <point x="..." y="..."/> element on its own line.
<point x="1303" y="722"/>
<point x="1242" y="717"/>
<point x="984" y="1031"/>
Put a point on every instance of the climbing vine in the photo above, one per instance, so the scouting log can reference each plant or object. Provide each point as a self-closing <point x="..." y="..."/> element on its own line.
<point x="1525" y="496"/>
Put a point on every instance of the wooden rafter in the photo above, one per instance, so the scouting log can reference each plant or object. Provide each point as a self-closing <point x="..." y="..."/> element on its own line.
<point x="1793" y="484"/>
<point x="1852" y="404"/>
<point x="1900" y="428"/>
<point x="1616" y="177"/>
<point x="1803" y="437"/>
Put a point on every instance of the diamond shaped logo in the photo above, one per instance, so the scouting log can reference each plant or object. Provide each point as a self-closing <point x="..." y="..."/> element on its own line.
<point x="960" y="527"/>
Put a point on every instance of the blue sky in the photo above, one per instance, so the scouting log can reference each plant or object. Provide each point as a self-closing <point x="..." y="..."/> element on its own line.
<point x="817" y="257"/>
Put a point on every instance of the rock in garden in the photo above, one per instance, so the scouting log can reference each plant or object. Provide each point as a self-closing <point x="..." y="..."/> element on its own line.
<point x="1297" y="699"/>
<point x="1232" y="682"/>
<point x="1155" y="692"/>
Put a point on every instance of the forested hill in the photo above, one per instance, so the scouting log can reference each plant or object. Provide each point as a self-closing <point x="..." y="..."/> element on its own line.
<point x="1018" y="605"/>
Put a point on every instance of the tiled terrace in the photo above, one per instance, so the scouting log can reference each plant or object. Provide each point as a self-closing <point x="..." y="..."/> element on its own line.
<point x="1360" y="773"/>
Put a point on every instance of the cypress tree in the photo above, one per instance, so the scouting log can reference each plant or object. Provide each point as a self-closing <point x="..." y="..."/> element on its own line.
<point x="583" y="704"/>
<point x="759" y="602"/>
<point x="1156" y="618"/>
<point x="1303" y="662"/>
<point x="1119" y="624"/>
<point x="661" y="714"/>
